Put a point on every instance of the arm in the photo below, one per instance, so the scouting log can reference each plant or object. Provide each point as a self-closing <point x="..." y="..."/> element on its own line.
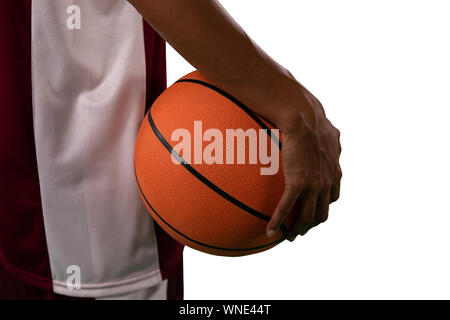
<point x="207" y="36"/>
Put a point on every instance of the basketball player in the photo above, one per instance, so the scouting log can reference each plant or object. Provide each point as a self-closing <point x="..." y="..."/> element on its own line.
<point x="76" y="78"/>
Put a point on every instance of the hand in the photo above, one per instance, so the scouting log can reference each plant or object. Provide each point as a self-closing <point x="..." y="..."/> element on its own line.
<point x="207" y="36"/>
<point x="310" y="160"/>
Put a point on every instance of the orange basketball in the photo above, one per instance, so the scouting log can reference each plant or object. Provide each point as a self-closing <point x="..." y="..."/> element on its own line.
<point x="196" y="172"/>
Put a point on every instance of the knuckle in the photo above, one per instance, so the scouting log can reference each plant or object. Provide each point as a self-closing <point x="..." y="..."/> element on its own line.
<point x="290" y="73"/>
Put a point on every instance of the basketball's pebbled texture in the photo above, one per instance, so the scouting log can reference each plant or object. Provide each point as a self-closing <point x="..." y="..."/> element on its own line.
<point x="221" y="209"/>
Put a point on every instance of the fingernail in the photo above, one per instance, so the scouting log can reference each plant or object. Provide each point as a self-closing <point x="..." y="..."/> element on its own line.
<point x="271" y="233"/>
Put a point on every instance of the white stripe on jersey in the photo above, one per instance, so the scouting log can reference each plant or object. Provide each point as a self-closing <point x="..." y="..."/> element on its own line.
<point x="88" y="65"/>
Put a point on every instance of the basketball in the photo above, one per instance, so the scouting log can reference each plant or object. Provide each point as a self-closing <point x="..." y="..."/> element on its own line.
<point x="208" y="169"/>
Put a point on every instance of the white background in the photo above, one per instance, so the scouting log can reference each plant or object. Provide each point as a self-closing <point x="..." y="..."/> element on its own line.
<point x="381" y="69"/>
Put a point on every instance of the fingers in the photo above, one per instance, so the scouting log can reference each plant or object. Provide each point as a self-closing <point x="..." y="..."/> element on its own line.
<point x="306" y="217"/>
<point x="302" y="231"/>
<point x="295" y="211"/>
<point x="287" y="201"/>
<point x="312" y="210"/>
<point x="336" y="187"/>
<point x="335" y="191"/>
<point x="312" y="214"/>
<point x="323" y="205"/>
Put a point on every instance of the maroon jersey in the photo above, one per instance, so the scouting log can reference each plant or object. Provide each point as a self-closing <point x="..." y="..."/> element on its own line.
<point x="76" y="78"/>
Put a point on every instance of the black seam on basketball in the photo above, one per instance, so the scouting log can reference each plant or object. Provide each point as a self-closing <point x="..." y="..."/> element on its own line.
<point x="205" y="180"/>
<point x="239" y="104"/>
<point x="198" y="242"/>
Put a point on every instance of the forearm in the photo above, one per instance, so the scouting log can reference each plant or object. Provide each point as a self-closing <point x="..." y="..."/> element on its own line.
<point x="208" y="37"/>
